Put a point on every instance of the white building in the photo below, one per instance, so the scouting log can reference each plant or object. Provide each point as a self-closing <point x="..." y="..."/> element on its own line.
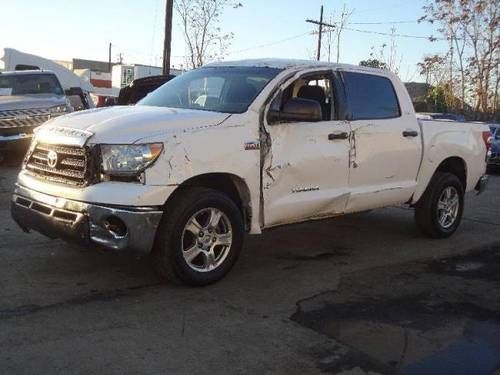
<point x="122" y="75"/>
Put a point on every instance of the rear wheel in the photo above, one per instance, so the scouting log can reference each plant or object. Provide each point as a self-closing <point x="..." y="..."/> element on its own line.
<point x="199" y="238"/>
<point x="439" y="212"/>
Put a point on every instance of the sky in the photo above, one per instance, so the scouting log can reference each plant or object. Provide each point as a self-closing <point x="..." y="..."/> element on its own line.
<point x="66" y="29"/>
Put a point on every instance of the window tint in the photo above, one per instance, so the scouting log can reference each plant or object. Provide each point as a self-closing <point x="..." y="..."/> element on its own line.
<point x="371" y="96"/>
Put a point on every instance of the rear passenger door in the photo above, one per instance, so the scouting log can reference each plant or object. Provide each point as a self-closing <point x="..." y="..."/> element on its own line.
<point x="386" y="143"/>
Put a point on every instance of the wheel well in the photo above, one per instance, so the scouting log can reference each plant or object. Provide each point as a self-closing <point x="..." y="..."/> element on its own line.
<point x="233" y="186"/>
<point x="456" y="166"/>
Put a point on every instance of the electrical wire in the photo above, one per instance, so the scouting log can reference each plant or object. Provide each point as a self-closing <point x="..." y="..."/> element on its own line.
<point x="271" y="43"/>
<point x="429" y="38"/>
<point x="380" y="23"/>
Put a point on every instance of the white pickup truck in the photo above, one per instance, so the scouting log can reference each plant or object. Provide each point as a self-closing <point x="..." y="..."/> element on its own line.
<point x="240" y="147"/>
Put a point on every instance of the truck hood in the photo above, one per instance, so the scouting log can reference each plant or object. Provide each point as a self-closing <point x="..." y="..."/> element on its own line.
<point x="128" y="124"/>
<point x="8" y="103"/>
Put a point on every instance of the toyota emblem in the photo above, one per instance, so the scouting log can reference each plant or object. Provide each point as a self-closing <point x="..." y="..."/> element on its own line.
<point x="52" y="159"/>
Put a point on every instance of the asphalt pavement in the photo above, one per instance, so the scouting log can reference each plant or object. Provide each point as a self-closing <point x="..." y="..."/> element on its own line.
<point x="359" y="294"/>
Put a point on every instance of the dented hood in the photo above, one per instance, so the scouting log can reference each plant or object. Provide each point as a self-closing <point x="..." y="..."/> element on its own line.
<point x="128" y="124"/>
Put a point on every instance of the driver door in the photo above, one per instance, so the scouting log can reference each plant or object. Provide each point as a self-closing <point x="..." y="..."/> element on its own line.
<point x="306" y="167"/>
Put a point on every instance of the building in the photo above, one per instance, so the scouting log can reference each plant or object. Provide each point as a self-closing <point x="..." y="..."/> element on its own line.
<point x="124" y="74"/>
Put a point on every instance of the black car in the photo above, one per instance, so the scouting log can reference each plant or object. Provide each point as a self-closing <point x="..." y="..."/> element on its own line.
<point x="139" y="88"/>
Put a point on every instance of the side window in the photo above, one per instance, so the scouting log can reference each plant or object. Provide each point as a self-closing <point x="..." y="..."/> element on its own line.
<point x="317" y="88"/>
<point x="371" y="97"/>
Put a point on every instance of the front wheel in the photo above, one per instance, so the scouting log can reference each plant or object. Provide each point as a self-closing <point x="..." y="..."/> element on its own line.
<point x="439" y="212"/>
<point x="199" y="238"/>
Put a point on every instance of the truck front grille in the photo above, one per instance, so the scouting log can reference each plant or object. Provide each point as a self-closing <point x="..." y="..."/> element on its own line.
<point x="67" y="165"/>
<point x="23" y="118"/>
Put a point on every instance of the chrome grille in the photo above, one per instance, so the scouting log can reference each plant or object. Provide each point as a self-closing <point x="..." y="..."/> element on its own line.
<point x="23" y="117"/>
<point x="70" y="166"/>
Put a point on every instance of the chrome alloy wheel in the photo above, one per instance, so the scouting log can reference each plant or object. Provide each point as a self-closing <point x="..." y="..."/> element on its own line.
<point x="206" y="239"/>
<point x="448" y="207"/>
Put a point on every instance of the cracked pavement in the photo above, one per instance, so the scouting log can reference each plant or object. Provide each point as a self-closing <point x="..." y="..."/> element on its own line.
<point x="292" y="305"/>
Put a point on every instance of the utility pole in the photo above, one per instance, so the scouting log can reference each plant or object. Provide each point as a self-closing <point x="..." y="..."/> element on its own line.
<point x="320" y="23"/>
<point x="109" y="57"/>
<point x="167" y="42"/>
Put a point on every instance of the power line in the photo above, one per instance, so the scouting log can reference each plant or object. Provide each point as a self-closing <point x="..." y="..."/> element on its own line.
<point x="271" y="43"/>
<point x="381" y="23"/>
<point x="429" y="38"/>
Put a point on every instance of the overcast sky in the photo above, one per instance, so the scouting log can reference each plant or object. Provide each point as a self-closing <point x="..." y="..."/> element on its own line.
<point x="63" y="29"/>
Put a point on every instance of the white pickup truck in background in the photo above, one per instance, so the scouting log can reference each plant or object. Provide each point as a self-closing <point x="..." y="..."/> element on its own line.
<point x="239" y="147"/>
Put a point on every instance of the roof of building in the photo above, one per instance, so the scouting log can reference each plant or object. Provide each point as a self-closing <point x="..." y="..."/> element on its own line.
<point x="96" y="66"/>
<point x="25" y="72"/>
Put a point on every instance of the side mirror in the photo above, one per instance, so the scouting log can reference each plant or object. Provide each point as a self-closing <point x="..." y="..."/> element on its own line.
<point x="297" y="110"/>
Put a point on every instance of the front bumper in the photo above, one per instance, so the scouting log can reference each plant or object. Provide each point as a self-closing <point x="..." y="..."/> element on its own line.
<point x="6" y="141"/>
<point x="116" y="228"/>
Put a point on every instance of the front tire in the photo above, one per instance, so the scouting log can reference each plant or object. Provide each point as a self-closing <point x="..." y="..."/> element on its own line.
<point x="439" y="211"/>
<point x="199" y="238"/>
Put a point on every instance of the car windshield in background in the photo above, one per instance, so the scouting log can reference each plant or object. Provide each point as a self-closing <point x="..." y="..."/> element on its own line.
<point x="29" y="84"/>
<point x="218" y="89"/>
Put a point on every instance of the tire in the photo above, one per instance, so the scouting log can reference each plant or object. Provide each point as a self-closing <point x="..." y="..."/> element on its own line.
<point x="430" y="215"/>
<point x="209" y="257"/>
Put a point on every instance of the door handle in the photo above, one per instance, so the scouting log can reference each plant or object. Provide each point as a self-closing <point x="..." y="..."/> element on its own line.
<point x="410" y="133"/>
<point x="335" y="136"/>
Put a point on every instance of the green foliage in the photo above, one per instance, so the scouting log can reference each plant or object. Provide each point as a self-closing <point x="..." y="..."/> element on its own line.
<point x="373" y="63"/>
<point x="437" y="98"/>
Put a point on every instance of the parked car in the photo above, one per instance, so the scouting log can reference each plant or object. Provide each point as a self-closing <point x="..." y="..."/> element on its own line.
<point x="28" y="99"/>
<point x="494" y="160"/>
<point x="140" y="87"/>
<point x="241" y="147"/>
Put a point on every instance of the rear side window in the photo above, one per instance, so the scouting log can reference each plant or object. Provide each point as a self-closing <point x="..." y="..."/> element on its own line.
<point x="370" y="96"/>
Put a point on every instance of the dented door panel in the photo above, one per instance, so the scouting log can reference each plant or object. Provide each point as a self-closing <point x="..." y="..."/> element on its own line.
<point x="305" y="175"/>
<point x="384" y="164"/>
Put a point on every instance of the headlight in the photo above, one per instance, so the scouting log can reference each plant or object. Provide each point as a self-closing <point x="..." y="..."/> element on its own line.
<point x="58" y="109"/>
<point x="128" y="160"/>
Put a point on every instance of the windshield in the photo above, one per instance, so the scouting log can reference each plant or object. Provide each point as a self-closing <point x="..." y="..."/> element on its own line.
<point x="218" y="89"/>
<point x="24" y="84"/>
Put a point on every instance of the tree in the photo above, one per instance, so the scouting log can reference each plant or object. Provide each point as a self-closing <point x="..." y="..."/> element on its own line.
<point x="433" y="68"/>
<point x="200" y="21"/>
<point x="472" y="29"/>
<point x="437" y="98"/>
<point x="373" y="63"/>
<point x="334" y="35"/>
<point x="390" y="57"/>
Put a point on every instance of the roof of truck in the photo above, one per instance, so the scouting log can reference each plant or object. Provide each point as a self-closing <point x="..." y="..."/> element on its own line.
<point x="24" y="72"/>
<point x="292" y="63"/>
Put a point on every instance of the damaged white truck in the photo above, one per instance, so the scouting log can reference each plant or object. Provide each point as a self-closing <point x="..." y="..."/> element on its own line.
<point x="240" y="147"/>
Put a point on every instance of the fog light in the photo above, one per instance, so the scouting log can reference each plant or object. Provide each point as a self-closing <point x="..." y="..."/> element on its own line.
<point x="115" y="226"/>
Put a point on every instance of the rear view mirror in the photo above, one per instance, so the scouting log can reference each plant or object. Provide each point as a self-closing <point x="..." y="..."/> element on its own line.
<point x="297" y="110"/>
